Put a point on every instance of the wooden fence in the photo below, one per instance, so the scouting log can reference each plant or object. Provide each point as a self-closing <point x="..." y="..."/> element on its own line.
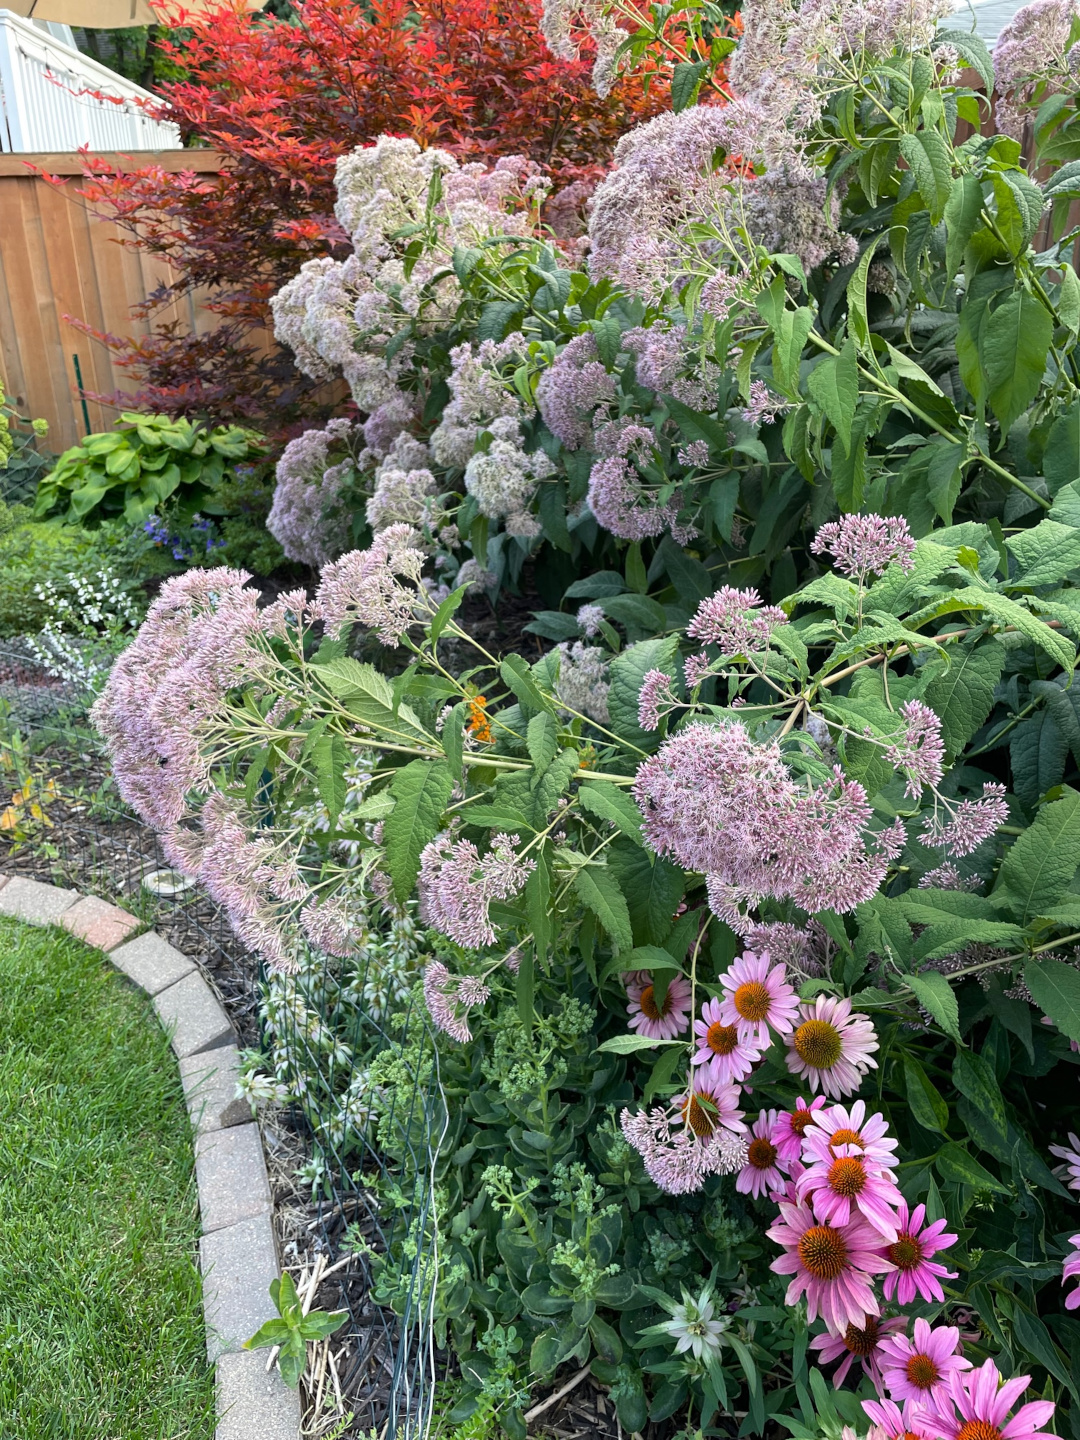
<point x="57" y="259"/>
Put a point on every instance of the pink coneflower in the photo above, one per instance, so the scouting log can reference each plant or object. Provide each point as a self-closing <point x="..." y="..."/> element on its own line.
<point x="757" y="995"/>
<point x="844" y="1182"/>
<point x="761" y="1173"/>
<point x="1071" y="1155"/>
<point x="720" y="1052"/>
<point x="1070" y="1271"/>
<point x="915" y="1272"/>
<point x="833" y="1265"/>
<point x="707" y="1106"/>
<point x="982" y="1402"/>
<point x="911" y="1423"/>
<point x="659" y="1022"/>
<point x="832" y="1049"/>
<point x="836" y="1126"/>
<point x="918" y="1369"/>
<point x="858" y="1342"/>
<point x="792" y="1126"/>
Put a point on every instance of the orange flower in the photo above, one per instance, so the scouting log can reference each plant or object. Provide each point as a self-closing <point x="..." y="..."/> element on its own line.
<point x="478" y="725"/>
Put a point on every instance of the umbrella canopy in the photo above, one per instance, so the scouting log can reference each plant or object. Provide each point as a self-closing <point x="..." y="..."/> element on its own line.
<point x="105" y="14"/>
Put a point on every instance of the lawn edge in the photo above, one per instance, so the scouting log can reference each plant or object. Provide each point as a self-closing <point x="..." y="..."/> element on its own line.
<point x="237" y="1252"/>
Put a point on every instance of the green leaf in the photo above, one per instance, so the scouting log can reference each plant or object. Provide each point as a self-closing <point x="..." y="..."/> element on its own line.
<point x="975" y="1078"/>
<point x="421" y="791"/>
<point x="609" y="802"/>
<point x="541" y="740"/>
<point x="1055" y="988"/>
<point x="1046" y="554"/>
<point x="962" y="692"/>
<point x="517" y="677"/>
<point x="321" y="1323"/>
<point x="856" y="290"/>
<point x="970" y="46"/>
<point x="1037" y="871"/>
<point x="1009" y="612"/>
<point x="599" y="891"/>
<point x="834" y="384"/>
<point x="331" y="755"/>
<point x="930" y="161"/>
<point x="935" y="994"/>
<point x="1061" y="458"/>
<point x="1013" y="345"/>
<point x="538" y="905"/>
<point x="497" y="319"/>
<point x="272" y="1333"/>
<point x="628" y="1043"/>
<point x="636" y="611"/>
<point x="954" y="1163"/>
<point x="1035" y="1338"/>
<point x="626" y="673"/>
<point x="1068" y="300"/>
<point x="1037" y="751"/>
<point x="686" y="78"/>
<point x="927" y="1106"/>
<point x="849" y="470"/>
<point x="944" y="474"/>
<point x="447" y="611"/>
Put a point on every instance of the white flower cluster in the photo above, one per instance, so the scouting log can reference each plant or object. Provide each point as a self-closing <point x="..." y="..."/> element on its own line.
<point x="86" y="629"/>
<point x="404" y="487"/>
<point x="503" y="480"/>
<point x="480" y="395"/>
<point x="583" y="680"/>
<point x="340" y="316"/>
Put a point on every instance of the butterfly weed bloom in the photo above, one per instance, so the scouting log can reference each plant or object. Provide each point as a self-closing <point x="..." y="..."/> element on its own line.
<point x="977" y="1405"/>
<point x="658" y="1020"/>
<point x="365" y="586"/>
<point x="969" y="823"/>
<point x="734" y="620"/>
<point x="678" y="1156"/>
<point x="757" y="999"/>
<point x="1071" y="1271"/>
<point x="456" y="886"/>
<point x="919" y="1368"/>
<point x="832" y="1265"/>
<point x="832" y="1048"/>
<point x="793" y="1126"/>
<point x="915" y="1271"/>
<point x="722" y="1053"/>
<point x="863" y="1342"/>
<point x="1071" y="1155"/>
<point x="449" y="998"/>
<point x="717" y="802"/>
<point x="765" y="1168"/>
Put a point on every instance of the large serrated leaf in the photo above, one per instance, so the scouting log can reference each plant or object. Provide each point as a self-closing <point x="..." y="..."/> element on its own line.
<point x="1055" y="988"/>
<point x="421" y="791"/>
<point x="609" y="802"/>
<point x="1037" y="871"/>
<point x="599" y="892"/>
<point x="962" y="692"/>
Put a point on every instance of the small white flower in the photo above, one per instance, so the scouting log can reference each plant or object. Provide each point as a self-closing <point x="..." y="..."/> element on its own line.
<point x="693" y="1328"/>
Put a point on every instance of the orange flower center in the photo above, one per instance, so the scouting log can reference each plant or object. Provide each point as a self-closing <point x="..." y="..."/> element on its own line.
<point x="722" y="1039"/>
<point x="905" y="1252"/>
<point x="846" y="1137"/>
<point x="979" y="1430"/>
<point x="823" y="1252"/>
<point x="761" y="1154"/>
<point x="818" y="1044"/>
<point x="847" y="1176"/>
<point x="801" y="1120"/>
<point x="922" y="1371"/>
<point x="649" y="1007"/>
<point x="698" y="1118"/>
<point x="752" y="1000"/>
<point x="864" y="1341"/>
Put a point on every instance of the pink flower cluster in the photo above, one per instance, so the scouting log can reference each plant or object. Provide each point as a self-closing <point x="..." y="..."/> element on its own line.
<point x="970" y="823"/>
<point x="734" y="620"/>
<point x="456" y="886"/>
<point x="717" y="802"/>
<point x="967" y="1404"/>
<point x="365" y="586"/>
<point x="919" y="749"/>
<point x="861" y="545"/>
<point x="449" y="998"/>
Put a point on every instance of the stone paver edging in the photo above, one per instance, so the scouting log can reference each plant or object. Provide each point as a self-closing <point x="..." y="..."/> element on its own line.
<point x="238" y="1255"/>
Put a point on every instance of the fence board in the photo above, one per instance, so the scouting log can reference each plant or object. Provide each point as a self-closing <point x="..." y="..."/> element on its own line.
<point x="57" y="259"/>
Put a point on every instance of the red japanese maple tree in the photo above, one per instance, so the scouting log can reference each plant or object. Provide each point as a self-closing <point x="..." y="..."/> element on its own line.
<point x="282" y="100"/>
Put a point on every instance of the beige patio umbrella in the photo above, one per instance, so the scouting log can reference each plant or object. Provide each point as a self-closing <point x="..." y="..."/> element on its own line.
<point x="105" y="14"/>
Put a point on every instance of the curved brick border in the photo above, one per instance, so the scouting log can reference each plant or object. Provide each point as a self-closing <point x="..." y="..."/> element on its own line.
<point x="237" y="1253"/>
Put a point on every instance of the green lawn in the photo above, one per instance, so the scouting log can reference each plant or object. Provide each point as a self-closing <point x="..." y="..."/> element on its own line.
<point x="101" y="1333"/>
